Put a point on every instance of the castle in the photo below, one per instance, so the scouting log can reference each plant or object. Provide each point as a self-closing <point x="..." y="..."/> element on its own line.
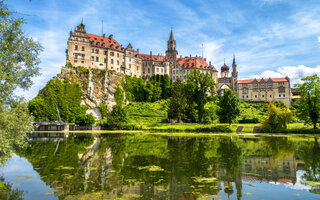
<point x="101" y="52"/>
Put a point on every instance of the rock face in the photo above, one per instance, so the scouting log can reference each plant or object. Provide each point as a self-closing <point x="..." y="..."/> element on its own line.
<point x="97" y="86"/>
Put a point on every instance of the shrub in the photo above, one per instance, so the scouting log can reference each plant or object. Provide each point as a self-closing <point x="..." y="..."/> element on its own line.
<point x="277" y="118"/>
<point x="85" y="120"/>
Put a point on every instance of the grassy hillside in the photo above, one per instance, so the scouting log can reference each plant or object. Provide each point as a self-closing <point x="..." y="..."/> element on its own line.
<point x="146" y="113"/>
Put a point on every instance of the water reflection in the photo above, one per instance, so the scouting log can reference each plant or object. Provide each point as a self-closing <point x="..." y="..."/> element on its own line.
<point x="158" y="167"/>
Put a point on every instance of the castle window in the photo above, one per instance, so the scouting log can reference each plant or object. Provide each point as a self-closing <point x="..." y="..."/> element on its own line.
<point x="111" y="53"/>
<point x="262" y="85"/>
<point x="118" y="55"/>
<point x="98" y="43"/>
<point x="137" y="68"/>
<point x="111" y="61"/>
<point x="243" y="97"/>
<point x="97" y="59"/>
<point x="174" y="71"/>
<point x="92" y="50"/>
<point x="75" y="61"/>
<point x="255" y="86"/>
<point x="97" y="51"/>
<point x="270" y="96"/>
<point x="76" y="56"/>
<point x="269" y="85"/>
<point x="102" y="44"/>
<point x="247" y="96"/>
<point x="282" y="89"/>
<point x="148" y="70"/>
<point x="82" y="56"/>
<point x="161" y="70"/>
<point x="105" y="60"/>
<point x="105" y="52"/>
<point x="76" y="47"/>
<point x="262" y="96"/>
<point x="279" y="95"/>
<point x="82" y="48"/>
<point x="284" y="95"/>
<point x="129" y="66"/>
<point x="143" y="70"/>
<point x="92" y="58"/>
<point x="244" y="90"/>
<point x="157" y="69"/>
<point x="255" y="96"/>
<point x="117" y="62"/>
<point x="129" y="59"/>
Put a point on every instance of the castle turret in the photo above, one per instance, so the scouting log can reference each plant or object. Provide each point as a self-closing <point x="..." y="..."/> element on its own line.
<point x="234" y="75"/>
<point x="225" y="70"/>
<point x="171" y="52"/>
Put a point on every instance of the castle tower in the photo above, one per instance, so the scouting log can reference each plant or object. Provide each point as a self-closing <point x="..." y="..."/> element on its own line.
<point x="234" y="75"/>
<point x="78" y="51"/>
<point x="225" y="70"/>
<point x="171" y="52"/>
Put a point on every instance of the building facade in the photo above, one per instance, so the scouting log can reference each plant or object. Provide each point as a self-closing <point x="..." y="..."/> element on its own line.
<point x="101" y="52"/>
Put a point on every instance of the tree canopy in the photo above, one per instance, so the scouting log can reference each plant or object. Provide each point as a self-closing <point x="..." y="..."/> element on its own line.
<point x="229" y="107"/>
<point x="309" y="104"/>
<point x="19" y="57"/>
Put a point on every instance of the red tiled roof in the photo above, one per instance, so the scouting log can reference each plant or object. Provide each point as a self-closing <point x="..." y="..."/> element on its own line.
<point x="194" y="62"/>
<point x="265" y="79"/>
<point x="104" y="42"/>
<point x="152" y="57"/>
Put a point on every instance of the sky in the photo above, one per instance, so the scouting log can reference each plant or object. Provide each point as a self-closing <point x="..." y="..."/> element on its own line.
<point x="270" y="38"/>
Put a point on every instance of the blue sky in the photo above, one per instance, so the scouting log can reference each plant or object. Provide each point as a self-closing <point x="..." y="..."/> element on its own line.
<point x="270" y="38"/>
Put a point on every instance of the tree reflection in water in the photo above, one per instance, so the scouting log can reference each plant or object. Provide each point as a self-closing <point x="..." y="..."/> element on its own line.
<point x="161" y="167"/>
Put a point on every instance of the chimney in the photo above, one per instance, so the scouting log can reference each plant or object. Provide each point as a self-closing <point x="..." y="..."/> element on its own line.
<point x="196" y="56"/>
<point x="150" y="53"/>
<point x="205" y="59"/>
<point x="190" y="55"/>
<point x="209" y="63"/>
<point x="137" y="50"/>
<point x="180" y="56"/>
<point x="111" y="37"/>
<point x="104" y="35"/>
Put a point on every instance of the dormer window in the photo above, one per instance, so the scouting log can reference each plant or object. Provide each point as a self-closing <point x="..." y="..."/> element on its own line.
<point x="102" y="44"/>
<point x="269" y="85"/>
<point x="255" y="85"/>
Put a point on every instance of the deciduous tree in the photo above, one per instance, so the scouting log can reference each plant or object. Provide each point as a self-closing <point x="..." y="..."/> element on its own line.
<point x="18" y="64"/>
<point x="309" y="105"/>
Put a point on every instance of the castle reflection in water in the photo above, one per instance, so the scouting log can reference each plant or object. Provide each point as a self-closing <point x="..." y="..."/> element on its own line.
<point x="167" y="168"/>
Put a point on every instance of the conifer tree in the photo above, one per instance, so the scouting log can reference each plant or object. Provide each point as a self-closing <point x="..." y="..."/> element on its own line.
<point x="178" y="102"/>
<point x="229" y="107"/>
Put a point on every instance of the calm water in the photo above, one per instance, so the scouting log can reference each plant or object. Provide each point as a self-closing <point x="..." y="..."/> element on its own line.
<point x="161" y="167"/>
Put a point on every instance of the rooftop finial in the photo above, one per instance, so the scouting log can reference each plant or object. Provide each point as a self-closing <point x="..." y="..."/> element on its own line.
<point x="171" y="35"/>
<point x="224" y="61"/>
<point x="82" y="20"/>
<point x="234" y="59"/>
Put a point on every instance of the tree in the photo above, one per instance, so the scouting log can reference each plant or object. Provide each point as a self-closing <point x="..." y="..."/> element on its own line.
<point x="118" y="116"/>
<point x="277" y="118"/>
<point x="178" y="102"/>
<point x="85" y="119"/>
<point x="199" y="86"/>
<point x="229" y="107"/>
<point x="308" y="108"/>
<point x="18" y="64"/>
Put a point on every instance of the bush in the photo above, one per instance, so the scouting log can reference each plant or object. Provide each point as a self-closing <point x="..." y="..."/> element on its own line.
<point x="117" y="118"/>
<point x="248" y="121"/>
<point x="277" y="118"/>
<point x="85" y="120"/>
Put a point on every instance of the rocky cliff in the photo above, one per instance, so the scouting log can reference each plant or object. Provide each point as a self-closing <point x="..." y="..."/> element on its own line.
<point x="97" y="86"/>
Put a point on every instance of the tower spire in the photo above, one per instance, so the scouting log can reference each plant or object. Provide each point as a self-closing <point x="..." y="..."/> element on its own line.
<point x="234" y="59"/>
<point x="171" y="35"/>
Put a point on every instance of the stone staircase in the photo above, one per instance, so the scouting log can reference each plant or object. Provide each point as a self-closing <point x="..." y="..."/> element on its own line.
<point x="256" y="129"/>
<point x="239" y="129"/>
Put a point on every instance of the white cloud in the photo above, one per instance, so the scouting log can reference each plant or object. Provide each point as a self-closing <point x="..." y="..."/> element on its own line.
<point x="318" y="38"/>
<point x="295" y="73"/>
